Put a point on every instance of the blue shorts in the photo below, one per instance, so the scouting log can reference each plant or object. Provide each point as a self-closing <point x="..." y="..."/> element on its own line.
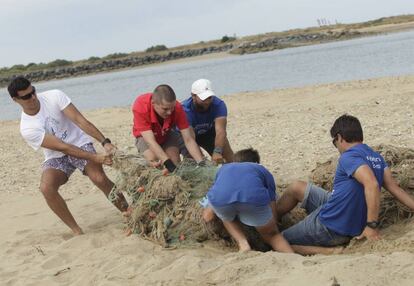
<point x="248" y="214"/>
<point x="310" y="231"/>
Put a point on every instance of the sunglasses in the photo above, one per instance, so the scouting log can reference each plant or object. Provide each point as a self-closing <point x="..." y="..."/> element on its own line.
<point x="27" y="96"/>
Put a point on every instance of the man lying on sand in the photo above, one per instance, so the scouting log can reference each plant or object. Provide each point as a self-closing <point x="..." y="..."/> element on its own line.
<point x="352" y="209"/>
<point x="207" y="116"/>
<point x="49" y="120"/>
<point x="247" y="190"/>
<point x="155" y="117"/>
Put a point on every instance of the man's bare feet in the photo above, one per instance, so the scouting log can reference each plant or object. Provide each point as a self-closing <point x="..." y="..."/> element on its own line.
<point x="77" y="231"/>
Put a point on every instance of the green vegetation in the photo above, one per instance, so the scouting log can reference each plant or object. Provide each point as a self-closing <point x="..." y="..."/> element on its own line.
<point x="115" y="56"/>
<point x="226" y="38"/>
<point x="157" y="48"/>
<point x="93" y="59"/>
<point x="58" y="63"/>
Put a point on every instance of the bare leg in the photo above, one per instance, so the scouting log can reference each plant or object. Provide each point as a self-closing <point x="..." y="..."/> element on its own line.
<point x="227" y="152"/>
<point x="208" y="214"/>
<point x="50" y="182"/>
<point x="273" y="237"/>
<point x="311" y="250"/>
<point x="97" y="175"/>
<point x="234" y="229"/>
<point x="294" y="194"/>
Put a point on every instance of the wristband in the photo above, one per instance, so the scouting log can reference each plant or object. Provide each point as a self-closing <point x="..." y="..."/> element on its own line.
<point x="169" y="165"/>
<point x="105" y="141"/>
<point x="373" y="224"/>
<point x="218" y="150"/>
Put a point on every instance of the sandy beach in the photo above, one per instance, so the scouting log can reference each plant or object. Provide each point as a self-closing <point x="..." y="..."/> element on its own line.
<point x="289" y="127"/>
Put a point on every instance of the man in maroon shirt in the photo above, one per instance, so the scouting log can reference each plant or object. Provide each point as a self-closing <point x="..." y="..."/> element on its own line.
<point x="155" y="117"/>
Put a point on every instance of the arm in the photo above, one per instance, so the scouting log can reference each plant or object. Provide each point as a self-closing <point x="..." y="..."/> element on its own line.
<point x="221" y="135"/>
<point x="392" y="186"/>
<point x="73" y="114"/>
<point x="366" y="177"/>
<point x="54" y="143"/>
<point x="191" y="145"/>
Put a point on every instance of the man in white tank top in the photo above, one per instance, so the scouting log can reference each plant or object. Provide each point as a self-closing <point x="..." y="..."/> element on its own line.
<point x="50" y="121"/>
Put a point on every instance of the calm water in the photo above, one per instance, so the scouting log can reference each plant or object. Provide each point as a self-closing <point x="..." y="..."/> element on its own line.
<point x="387" y="55"/>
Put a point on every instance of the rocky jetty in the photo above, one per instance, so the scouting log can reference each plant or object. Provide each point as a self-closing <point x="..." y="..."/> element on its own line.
<point x="235" y="47"/>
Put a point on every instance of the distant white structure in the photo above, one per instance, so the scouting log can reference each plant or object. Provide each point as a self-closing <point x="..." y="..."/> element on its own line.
<point x="325" y="22"/>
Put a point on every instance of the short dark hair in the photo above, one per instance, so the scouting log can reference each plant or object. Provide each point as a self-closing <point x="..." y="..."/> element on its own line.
<point x="17" y="84"/>
<point x="349" y="127"/>
<point x="163" y="92"/>
<point x="247" y="155"/>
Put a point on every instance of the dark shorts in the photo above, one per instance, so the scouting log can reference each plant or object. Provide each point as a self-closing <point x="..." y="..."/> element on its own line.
<point x="207" y="140"/>
<point x="173" y="139"/>
<point x="310" y="231"/>
<point x="68" y="164"/>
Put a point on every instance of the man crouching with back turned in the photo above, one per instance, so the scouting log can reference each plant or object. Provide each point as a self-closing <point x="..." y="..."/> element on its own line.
<point x="246" y="190"/>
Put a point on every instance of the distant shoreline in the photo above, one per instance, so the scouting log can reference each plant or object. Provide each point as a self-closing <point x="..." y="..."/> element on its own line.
<point x="214" y="49"/>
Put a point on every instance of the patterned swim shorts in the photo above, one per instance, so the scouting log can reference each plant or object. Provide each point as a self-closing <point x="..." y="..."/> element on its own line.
<point x="67" y="164"/>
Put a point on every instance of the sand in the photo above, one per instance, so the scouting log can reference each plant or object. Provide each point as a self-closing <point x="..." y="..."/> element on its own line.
<point x="289" y="127"/>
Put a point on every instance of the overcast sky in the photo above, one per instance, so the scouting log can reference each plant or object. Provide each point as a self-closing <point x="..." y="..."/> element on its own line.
<point x="45" y="30"/>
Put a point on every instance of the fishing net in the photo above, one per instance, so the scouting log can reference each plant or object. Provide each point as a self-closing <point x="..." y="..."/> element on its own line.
<point x="166" y="208"/>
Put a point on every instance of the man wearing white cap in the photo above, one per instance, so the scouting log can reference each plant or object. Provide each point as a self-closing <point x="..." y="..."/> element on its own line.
<point x="207" y="115"/>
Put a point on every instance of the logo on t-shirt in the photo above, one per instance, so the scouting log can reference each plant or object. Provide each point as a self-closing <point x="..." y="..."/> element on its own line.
<point x="52" y="127"/>
<point x="375" y="162"/>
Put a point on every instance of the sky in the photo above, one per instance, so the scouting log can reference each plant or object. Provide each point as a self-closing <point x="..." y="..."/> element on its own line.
<point x="45" y="30"/>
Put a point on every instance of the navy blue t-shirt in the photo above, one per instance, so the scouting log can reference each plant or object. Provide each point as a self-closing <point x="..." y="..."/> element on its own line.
<point x="202" y="122"/>
<point x="242" y="183"/>
<point x="346" y="210"/>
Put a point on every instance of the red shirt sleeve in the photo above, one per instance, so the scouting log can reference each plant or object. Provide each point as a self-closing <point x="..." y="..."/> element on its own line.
<point x="142" y="121"/>
<point x="180" y="117"/>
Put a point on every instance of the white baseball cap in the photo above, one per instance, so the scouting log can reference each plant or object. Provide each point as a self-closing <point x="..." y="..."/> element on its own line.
<point x="202" y="88"/>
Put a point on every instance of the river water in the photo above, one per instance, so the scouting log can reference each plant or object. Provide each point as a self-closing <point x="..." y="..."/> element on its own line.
<point x="370" y="57"/>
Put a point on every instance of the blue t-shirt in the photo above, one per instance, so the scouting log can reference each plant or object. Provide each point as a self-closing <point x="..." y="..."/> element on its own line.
<point x="203" y="122"/>
<point x="242" y="183"/>
<point x="346" y="210"/>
